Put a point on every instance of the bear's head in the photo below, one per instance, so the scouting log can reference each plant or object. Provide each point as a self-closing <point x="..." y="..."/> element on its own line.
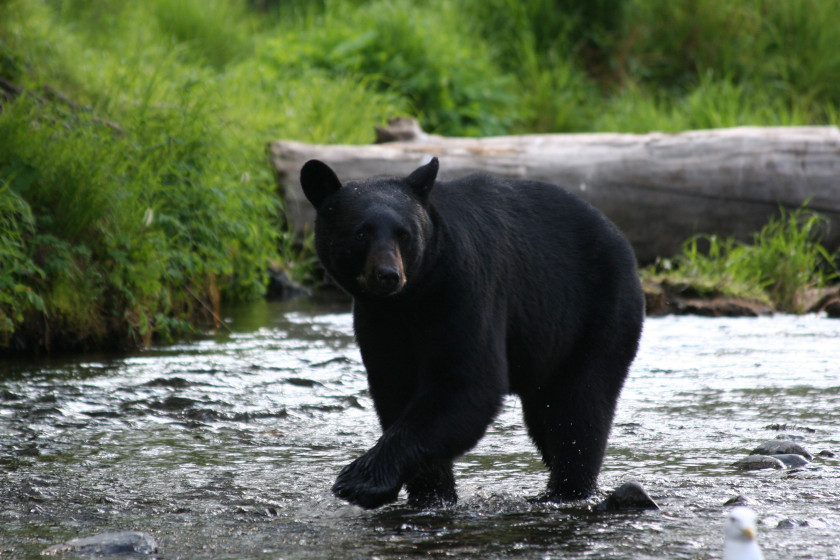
<point x="371" y="235"/>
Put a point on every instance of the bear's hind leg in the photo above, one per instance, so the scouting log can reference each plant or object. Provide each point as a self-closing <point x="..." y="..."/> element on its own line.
<point x="570" y="421"/>
<point x="432" y="487"/>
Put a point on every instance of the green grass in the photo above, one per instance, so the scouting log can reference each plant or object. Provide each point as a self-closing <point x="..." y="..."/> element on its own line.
<point x="783" y="261"/>
<point x="138" y="197"/>
<point x="422" y="53"/>
<point x="134" y="188"/>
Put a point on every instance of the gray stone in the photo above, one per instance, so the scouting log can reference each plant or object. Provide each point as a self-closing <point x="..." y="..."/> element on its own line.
<point x="758" y="462"/>
<point x="791" y="460"/>
<point x="790" y="437"/>
<point x="107" y="544"/>
<point x="628" y="496"/>
<point x="791" y="524"/>
<point x="741" y="500"/>
<point x="787" y="426"/>
<point x="781" y="447"/>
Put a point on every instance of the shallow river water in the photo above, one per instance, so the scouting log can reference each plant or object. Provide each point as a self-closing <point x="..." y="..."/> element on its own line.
<point x="227" y="448"/>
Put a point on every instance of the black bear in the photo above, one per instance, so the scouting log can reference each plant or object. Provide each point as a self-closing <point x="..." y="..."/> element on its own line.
<point x="465" y="291"/>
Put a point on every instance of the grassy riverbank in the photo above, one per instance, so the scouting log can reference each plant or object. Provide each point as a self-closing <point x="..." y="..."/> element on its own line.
<point x="135" y="196"/>
<point x="784" y="267"/>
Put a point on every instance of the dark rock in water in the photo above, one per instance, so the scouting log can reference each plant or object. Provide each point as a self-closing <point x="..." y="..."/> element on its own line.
<point x="790" y="524"/>
<point x="628" y="496"/>
<point x="107" y="544"/>
<point x="791" y="460"/>
<point x="790" y="437"/>
<point x="758" y="462"/>
<point x="782" y="427"/>
<point x="826" y="453"/>
<point x="174" y="382"/>
<point x="281" y="287"/>
<point x="741" y="500"/>
<point x="781" y="447"/>
<point x="301" y="382"/>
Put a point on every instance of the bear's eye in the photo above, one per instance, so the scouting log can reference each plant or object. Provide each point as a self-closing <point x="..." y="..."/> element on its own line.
<point x="403" y="235"/>
<point x="361" y="235"/>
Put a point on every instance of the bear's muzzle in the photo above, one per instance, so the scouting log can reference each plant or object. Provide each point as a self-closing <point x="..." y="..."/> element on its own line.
<point x="384" y="274"/>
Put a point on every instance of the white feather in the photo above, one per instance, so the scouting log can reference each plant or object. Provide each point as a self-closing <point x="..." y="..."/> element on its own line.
<point x="740" y="529"/>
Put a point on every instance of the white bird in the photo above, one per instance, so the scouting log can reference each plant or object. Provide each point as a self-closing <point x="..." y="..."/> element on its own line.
<point x="740" y="529"/>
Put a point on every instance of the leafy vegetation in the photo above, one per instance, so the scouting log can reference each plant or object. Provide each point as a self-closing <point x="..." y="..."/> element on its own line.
<point x="134" y="191"/>
<point x="783" y="262"/>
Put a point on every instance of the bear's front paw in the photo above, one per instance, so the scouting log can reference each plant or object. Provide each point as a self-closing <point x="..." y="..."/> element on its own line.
<point x="367" y="483"/>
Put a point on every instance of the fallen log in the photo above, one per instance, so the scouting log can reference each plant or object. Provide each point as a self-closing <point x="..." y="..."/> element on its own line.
<point x="660" y="189"/>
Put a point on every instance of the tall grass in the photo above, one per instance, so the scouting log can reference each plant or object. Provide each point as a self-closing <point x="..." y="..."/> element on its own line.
<point x="419" y="51"/>
<point x="215" y="31"/>
<point x="138" y="197"/>
<point x="783" y="261"/>
<point x="784" y="46"/>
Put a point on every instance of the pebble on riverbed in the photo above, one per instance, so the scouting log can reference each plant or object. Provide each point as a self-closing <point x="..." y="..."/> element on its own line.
<point x="107" y="544"/>
<point x="629" y="496"/>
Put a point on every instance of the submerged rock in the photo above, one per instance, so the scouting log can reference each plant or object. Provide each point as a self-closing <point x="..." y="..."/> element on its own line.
<point x="791" y="524"/>
<point x="792" y="460"/>
<point x="786" y="426"/>
<point x="791" y="437"/>
<point x="758" y="462"/>
<point x="107" y="544"/>
<point x="740" y="500"/>
<point x="629" y="496"/>
<point x="781" y="447"/>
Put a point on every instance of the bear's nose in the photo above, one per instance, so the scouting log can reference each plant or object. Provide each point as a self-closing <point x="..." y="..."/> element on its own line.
<point x="388" y="277"/>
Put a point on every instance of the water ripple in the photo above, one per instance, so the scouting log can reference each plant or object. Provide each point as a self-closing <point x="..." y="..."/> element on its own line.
<point x="236" y="440"/>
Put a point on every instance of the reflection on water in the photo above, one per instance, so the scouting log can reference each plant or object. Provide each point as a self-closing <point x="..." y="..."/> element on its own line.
<point x="227" y="448"/>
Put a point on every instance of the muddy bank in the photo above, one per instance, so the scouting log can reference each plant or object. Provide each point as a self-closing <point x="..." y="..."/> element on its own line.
<point x="663" y="298"/>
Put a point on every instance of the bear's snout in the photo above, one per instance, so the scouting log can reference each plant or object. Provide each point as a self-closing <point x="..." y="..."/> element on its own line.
<point x="385" y="279"/>
<point x="384" y="273"/>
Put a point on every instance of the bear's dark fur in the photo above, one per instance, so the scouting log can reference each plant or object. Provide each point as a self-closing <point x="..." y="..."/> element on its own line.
<point x="465" y="291"/>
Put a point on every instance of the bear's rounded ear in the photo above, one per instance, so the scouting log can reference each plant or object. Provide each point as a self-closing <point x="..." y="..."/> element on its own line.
<point x="318" y="181"/>
<point x="423" y="178"/>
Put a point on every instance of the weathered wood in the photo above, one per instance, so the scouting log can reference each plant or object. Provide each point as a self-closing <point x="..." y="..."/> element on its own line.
<point x="660" y="189"/>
